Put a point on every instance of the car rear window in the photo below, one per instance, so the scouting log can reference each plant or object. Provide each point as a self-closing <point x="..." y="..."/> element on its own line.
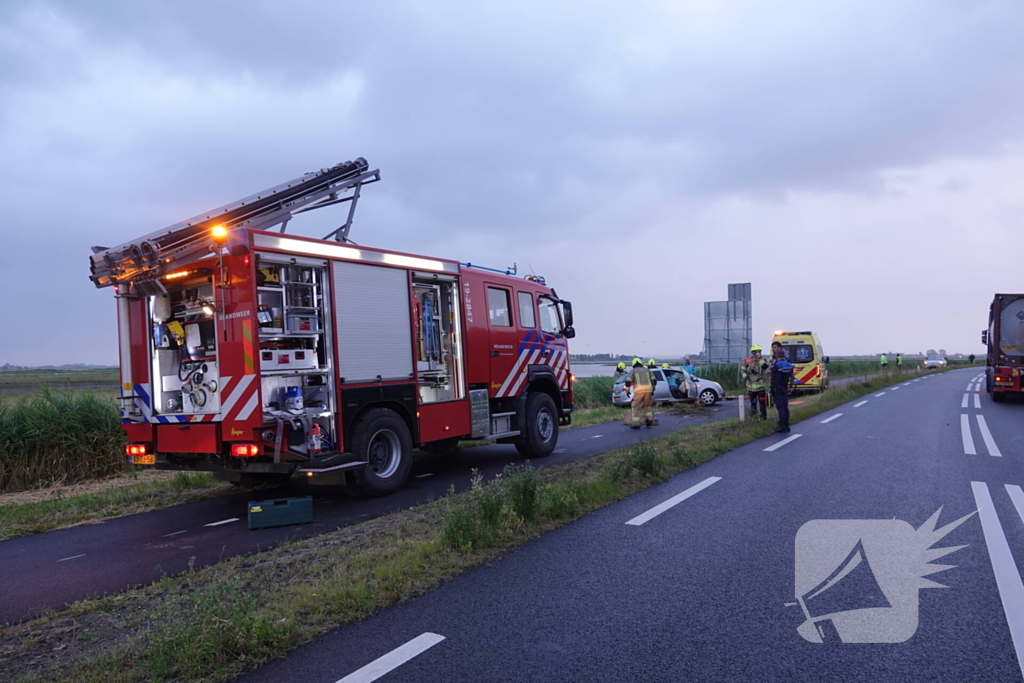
<point x="798" y="353"/>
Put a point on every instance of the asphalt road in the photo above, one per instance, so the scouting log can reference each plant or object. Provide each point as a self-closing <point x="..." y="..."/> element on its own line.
<point x="706" y="589"/>
<point x="49" y="570"/>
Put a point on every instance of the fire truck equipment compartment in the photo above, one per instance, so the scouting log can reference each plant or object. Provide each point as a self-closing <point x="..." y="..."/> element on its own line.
<point x="372" y="317"/>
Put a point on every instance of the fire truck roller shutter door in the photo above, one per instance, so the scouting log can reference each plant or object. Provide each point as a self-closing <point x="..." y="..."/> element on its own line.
<point x="372" y="315"/>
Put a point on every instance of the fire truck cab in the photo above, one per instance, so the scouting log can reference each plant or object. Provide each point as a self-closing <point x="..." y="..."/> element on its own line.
<point x="257" y="354"/>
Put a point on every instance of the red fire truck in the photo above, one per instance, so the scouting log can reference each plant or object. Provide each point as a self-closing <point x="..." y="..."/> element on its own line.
<point x="257" y="354"/>
<point x="1005" y="341"/>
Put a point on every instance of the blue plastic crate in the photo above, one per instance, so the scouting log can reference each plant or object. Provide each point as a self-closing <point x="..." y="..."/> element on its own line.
<point x="280" y="512"/>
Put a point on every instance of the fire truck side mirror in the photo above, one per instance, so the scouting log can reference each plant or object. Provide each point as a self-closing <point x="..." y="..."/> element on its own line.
<point x="567" y="314"/>
<point x="569" y="332"/>
<point x="984" y="336"/>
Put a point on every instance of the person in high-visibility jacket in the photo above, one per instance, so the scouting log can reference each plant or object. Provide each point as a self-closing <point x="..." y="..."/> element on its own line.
<point x="899" y="362"/>
<point x="642" y="381"/>
<point x="884" y="362"/>
<point x="757" y="373"/>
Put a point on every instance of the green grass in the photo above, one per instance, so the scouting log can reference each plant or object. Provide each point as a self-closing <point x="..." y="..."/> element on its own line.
<point x="58" y="378"/>
<point x="33" y="518"/>
<point x="592" y="392"/>
<point x="214" y="623"/>
<point x="59" y="436"/>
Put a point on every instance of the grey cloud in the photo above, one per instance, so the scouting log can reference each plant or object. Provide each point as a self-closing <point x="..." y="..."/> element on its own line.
<point x="489" y="122"/>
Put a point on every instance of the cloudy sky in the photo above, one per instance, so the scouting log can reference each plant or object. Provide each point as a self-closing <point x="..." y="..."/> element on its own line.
<point x="859" y="162"/>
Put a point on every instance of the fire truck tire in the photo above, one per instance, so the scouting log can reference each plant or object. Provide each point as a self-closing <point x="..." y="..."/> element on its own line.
<point x="382" y="439"/>
<point x="540" y="433"/>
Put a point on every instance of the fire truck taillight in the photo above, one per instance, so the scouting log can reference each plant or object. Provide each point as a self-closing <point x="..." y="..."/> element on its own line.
<point x="138" y="454"/>
<point x="244" y="450"/>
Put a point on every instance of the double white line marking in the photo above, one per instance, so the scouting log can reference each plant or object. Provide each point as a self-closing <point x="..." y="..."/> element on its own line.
<point x="986" y="435"/>
<point x="1008" y="581"/>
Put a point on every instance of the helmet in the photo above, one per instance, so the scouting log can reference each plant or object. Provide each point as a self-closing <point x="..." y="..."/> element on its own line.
<point x="665" y="365"/>
<point x="755" y="347"/>
<point x="652" y="363"/>
<point x="637" y="361"/>
<point x="621" y="366"/>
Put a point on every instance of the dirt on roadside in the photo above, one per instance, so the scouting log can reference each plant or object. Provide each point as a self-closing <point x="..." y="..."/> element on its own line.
<point x="68" y="490"/>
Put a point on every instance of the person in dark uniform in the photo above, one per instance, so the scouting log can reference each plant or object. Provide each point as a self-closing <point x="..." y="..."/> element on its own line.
<point x="970" y="358"/>
<point x="782" y="375"/>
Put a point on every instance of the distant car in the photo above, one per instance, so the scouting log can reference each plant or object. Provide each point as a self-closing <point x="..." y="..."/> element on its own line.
<point x="934" y="362"/>
<point x="673" y="386"/>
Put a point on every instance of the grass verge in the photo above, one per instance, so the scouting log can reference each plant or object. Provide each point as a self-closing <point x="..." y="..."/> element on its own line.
<point x="214" y="623"/>
<point x="63" y="511"/>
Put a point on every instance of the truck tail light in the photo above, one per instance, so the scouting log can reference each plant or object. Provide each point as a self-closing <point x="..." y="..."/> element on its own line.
<point x="244" y="450"/>
<point x="139" y="454"/>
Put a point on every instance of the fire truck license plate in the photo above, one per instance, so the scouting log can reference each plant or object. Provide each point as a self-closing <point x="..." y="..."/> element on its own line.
<point x="148" y="459"/>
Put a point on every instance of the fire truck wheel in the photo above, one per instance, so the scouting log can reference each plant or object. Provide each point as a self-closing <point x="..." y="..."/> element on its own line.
<point x="382" y="439"/>
<point x="540" y="434"/>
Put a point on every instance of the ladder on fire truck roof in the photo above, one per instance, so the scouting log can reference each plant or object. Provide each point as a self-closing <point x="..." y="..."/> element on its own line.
<point x="148" y="258"/>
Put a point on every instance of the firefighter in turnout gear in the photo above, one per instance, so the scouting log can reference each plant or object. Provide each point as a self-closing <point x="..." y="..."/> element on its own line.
<point x="757" y="373"/>
<point x="642" y="381"/>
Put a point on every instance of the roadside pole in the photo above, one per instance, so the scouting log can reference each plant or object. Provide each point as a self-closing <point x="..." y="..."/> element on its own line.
<point x="743" y="407"/>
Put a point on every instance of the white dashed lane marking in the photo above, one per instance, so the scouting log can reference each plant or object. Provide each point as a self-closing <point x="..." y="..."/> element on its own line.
<point x="783" y="442"/>
<point x="881" y="393"/>
<point x="986" y="435"/>
<point x="73" y="557"/>
<point x="977" y="401"/>
<point x="963" y="403"/>
<point x="672" y="502"/>
<point x="394" y="659"/>
<point x="223" y="521"/>
<point x="858" y="405"/>
<point x="965" y="434"/>
<point x="829" y="419"/>
<point x="175" y="533"/>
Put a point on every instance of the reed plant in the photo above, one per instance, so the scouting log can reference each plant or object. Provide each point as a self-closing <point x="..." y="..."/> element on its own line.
<point x="59" y="436"/>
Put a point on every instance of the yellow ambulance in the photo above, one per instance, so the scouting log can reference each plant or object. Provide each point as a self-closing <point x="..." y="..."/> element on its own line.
<point x="803" y="350"/>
